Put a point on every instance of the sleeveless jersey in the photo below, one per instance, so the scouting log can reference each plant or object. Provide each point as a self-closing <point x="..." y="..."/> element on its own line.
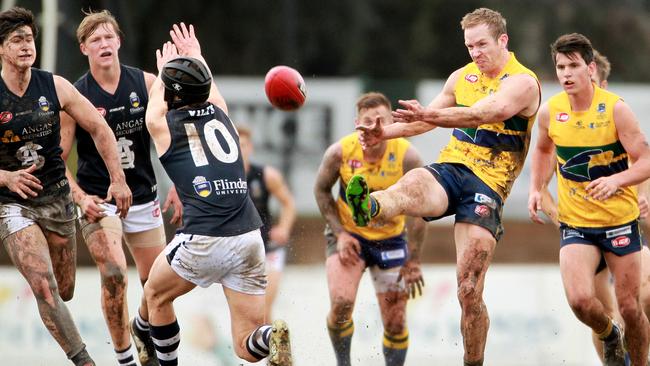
<point x="124" y="111"/>
<point x="31" y="134"/>
<point x="588" y="148"/>
<point x="495" y="151"/>
<point x="204" y="161"/>
<point x="379" y="175"/>
<point x="260" y="195"/>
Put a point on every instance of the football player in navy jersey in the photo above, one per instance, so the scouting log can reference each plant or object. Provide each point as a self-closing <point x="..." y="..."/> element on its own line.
<point x="36" y="209"/>
<point x="120" y="93"/>
<point x="220" y="240"/>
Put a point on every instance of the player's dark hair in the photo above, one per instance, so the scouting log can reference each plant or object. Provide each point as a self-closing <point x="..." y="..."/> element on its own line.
<point x="571" y="44"/>
<point x="372" y="100"/>
<point x="187" y="81"/>
<point x="14" y="18"/>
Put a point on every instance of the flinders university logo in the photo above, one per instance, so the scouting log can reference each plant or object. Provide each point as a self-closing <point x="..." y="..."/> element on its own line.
<point x="201" y="186"/>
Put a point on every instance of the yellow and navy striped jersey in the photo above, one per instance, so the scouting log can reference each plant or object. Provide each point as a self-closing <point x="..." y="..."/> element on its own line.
<point x="588" y="148"/>
<point x="494" y="151"/>
<point x="379" y="176"/>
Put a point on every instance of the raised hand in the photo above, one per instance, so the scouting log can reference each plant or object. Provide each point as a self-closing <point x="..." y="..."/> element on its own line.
<point x="370" y="135"/>
<point x="414" y="111"/>
<point x="185" y="40"/>
<point x="167" y="53"/>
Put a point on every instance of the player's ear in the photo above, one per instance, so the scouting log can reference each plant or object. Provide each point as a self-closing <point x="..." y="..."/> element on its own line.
<point x="82" y="48"/>
<point x="503" y="40"/>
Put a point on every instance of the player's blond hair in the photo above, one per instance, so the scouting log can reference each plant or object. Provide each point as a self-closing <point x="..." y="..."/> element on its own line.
<point x="92" y="21"/>
<point x="493" y="19"/>
<point x="603" y="67"/>
<point x="373" y="100"/>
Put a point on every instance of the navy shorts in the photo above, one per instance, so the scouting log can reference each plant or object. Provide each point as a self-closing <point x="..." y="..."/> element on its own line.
<point x="470" y="199"/>
<point x="620" y="240"/>
<point x="385" y="254"/>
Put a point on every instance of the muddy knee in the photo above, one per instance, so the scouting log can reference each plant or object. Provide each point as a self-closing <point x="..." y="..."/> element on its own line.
<point x="44" y="288"/>
<point x="114" y="279"/>
<point x="581" y="304"/>
<point x="341" y="310"/>
<point x="629" y="309"/>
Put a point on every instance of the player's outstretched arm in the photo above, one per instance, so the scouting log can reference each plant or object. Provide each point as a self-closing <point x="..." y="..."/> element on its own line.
<point x="88" y="118"/>
<point x="157" y="107"/>
<point x="187" y="44"/>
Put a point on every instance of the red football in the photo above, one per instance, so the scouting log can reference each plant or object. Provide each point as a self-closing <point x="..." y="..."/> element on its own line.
<point x="285" y="88"/>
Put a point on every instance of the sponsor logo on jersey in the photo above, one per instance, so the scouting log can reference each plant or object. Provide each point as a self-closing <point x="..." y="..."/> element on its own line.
<point x="5" y="117"/>
<point x="43" y="104"/>
<point x="472" y="78"/>
<point x="102" y="111"/>
<point x="116" y="109"/>
<point x="391" y="157"/>
<point x="486" y="200"/>
<point x="601" y="108"/>
<point x="620" y="242"/>
<point x="482" y="210"/>
<point x="625" y="230"/>
<point x="201" y="186"/>
<point x="562" y="117"/>
<point x="134" y="99"/>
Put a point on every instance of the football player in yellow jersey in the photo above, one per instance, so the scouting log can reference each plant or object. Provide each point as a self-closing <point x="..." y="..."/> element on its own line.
<point x="382" y="247"/>
<point x="491" y="103"/>
<point x="602" y="281"/>
<point x="594" y="133"/>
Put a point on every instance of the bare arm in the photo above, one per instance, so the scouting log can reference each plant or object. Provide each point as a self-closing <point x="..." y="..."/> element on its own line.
<point x="274" y="181"/>
<point x="155" y="117"/>
<point x="635" y="144"/>
<point x="518" y="95"/>
<point x="543" y="162"/>
<point x="328" y="174"/>
<point x="85" y="114"/>
<point x="372" y="135"/>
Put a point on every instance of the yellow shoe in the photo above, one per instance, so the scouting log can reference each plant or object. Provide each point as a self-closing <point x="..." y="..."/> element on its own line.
<point x="280" y="345"/>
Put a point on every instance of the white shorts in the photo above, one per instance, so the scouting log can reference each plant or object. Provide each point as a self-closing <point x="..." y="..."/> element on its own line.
<point x="57" y="216"/>
<point x="237" y="262"/>
<point x="275" y="259"/>
<point x="143" y="217"/>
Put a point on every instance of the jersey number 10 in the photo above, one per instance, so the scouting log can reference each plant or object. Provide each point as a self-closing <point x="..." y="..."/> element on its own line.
<point x="210" y="132"/>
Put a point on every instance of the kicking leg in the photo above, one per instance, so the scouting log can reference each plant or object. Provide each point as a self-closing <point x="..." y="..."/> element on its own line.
<point x="417" y="193"/>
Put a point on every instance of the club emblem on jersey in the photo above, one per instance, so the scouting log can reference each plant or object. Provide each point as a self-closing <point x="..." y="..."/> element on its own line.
<point x="562" y="117"/>
<point x="201" y="186"/>
<point x="5" y="117"/>
<point x="43" y="104"/>
<point x="102" y="111"/>
<point x="471" y="78"/>
<point x="391" y="157"/>
<point x="134" y="99"/>
<point x="601" y="108"/>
